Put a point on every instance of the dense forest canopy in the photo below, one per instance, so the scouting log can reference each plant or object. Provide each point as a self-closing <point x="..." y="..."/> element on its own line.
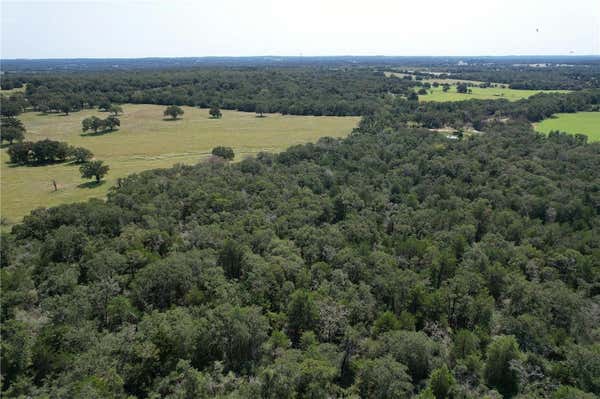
<point x="394" y="263"/>
<point x="388" y="264"/>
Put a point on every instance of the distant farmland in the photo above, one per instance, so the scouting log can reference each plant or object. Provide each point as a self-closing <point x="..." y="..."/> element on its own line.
<point x="587" y="123"/>
<point x="478" y="93"/>
<point x="146" y="141"/>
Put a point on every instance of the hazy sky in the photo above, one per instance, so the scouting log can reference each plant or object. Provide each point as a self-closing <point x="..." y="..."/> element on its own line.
<point x="128" y="28"/>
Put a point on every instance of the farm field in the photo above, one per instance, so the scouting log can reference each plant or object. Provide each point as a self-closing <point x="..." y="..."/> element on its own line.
<point x="12" y="91"/>
<point x="146" y="141"/>
<point x="478" y="93"/>
<point x="433" y="79"/>
<point x="587" y="123"/>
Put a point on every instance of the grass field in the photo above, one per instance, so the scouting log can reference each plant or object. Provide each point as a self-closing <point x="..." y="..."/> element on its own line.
<point x="478" y="93"/>
<point x="587" y="123"/>
<point x="433" y="79"/>
<point x="12" y="91"/>
<point x="146" y="141"/>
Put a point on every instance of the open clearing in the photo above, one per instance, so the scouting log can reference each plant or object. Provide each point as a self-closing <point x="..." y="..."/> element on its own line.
<point x="12" y="91"/>
<point x="146" y="141"/>
<point x="434" y="79"/>
<point x="478" y="93"/>
<point x="587" y="123"/>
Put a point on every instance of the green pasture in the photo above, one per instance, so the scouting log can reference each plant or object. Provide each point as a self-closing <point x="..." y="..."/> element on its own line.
<point x="478" y="93"/>
<point x="587" y="123"/>
<point x="146" y="141"/>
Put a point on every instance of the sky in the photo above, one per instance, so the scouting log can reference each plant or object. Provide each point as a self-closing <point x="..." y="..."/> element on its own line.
<point x="187" y="28"/>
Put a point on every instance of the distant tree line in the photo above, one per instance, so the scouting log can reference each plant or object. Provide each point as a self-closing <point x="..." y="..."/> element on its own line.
<point x="300" y="91"/>
<point x="551" y="77"/>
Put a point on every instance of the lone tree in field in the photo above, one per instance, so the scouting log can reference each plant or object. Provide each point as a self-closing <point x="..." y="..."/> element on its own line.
<point x="173" y="111"/>
<point x="115" y="109"/>
<point x="215" y="113"/>
<point x="94" y="169"/>
<point x="223" y="152"/>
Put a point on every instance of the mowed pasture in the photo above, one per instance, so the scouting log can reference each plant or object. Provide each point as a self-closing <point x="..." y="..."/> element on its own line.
<point x="147" y="141"/>
<point x="478" y="93"/>
<point x="587" y="123"/>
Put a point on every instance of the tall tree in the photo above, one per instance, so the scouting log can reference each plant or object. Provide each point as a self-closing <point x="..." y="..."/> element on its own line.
<point x="302" y="314"/>
<point x="499" y="371"/>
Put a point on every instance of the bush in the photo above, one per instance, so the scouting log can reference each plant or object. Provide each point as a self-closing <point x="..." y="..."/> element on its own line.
<point x="215" y="112"/>
<point x="223" y="152"/>
<point x="173" y="111"/>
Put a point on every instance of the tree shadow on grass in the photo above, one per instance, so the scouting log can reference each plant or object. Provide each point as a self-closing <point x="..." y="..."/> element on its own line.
<point x="91" y="184"/>
<point x="171" y="119"/>
<point x="51" y="113"/>
<point x="36" y="164"/>
<point x="98" y="133"/>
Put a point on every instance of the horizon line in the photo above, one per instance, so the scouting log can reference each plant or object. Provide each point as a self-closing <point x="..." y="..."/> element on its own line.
<point x="305" y="56"/>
